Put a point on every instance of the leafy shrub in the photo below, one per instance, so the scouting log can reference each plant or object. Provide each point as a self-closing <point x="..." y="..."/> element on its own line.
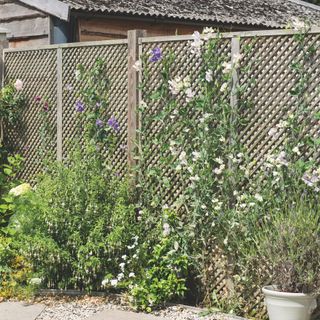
<point x="8" y="169"/>
<point x="164" y="276"/>
<point x="289" y="245"/>
<point x="77" y="223"/>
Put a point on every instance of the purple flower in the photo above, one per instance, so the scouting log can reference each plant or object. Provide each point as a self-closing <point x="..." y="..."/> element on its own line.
<point x="98" y="105"/>
<point x="46" y="107"/>
<point x="79" y="106"/>
<point x="113" y="123"/>
<point x="99" y="123"/>
<point x="156" y="54"/>
<point x="37" y="99"/>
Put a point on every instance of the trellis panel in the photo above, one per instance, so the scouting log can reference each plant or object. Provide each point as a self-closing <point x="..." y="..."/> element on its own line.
<point x="186" y="64"/>
<point x="37" y="70"/>
<point x="115" y="58"/>
<point x="270" y="94"/>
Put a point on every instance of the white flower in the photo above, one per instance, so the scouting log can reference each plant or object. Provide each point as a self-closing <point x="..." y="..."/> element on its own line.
<point x="227" y="67"/>
<point x="122" y="265"/>
<point x="208" y="33"/>
<point x="282" y="124"/>
<point x="143" y="104"/>
<point x="310" y="179"/>
<point x="137" y="65"/>
<point x="236" y="58"/>
<point x="196" y="156"/>
<point x="197" y="43"/>
<point x="120" y="276"/>
<point x="190" y="94"/>
<point x="131" y="275"/>
<point x="298" y="25"/>
<point x="114" y="282"/>
<point x="222" y="139"/>
<point x="281" y="159"/>
<point x="186" y="82"/>
<point x="272" y="132"/>
<point x="178" y="167"/>
<point x="104" y="282"/>
<point x="176" y="85"/>
<point x="166" y="229"/>
<point x="218" y="171"/>
<point x="218" y="160"/>
<point x="68" y="87"/>
<point x="183" y="158"/>
<point x="124" y="257"/>
<point x="258" y="197"/>
<point x="36" y="281"/>
<point x="20" y="189"/>
<point x="176" y="246"/>
<point x="18" y="85"/>
<point x="195" y="178"/>
<point x="224" y="87"/>
<point x="209" y="75"/>
<point x="77" y="74"/>
<point x="296" y="150"/>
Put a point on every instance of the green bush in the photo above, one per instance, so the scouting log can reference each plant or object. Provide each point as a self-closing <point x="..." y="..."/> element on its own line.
<point x="77" y="223"/>
<point x="164" y="276"/>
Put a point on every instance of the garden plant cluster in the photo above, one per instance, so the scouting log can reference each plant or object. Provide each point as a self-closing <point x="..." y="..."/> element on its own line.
<point x="83" y="226"/>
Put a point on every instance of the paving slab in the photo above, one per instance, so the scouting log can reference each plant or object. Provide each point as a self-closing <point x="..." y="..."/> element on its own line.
<point x="19" y="311"/>
<point x="122" y="315"/>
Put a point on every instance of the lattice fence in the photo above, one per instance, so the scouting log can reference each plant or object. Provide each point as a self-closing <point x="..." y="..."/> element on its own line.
<point x="268" y="76"/>
<point x="268" y="82"/>
<point x="39" y="70"/>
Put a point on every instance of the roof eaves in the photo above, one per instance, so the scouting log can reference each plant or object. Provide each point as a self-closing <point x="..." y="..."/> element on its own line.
<point x="55" y="8"/>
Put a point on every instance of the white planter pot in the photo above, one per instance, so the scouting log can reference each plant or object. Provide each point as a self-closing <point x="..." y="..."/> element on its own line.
<point x="288" y="306"/>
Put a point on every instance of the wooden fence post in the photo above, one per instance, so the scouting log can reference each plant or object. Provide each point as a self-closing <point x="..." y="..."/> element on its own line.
<point x="235" y="50"/>
<point x="59" y="104"/>
<point x="133" y="96"/>
<point x="3" y="44"/>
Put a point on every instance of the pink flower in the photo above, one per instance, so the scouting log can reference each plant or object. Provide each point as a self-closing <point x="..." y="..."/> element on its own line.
<point x="18" y="85"/>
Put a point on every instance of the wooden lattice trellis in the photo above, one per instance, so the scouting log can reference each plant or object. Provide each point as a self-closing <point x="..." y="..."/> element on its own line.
<point x="268" y="81"/>
<point x="50" y="74"/>
<point x="37" y="69"/>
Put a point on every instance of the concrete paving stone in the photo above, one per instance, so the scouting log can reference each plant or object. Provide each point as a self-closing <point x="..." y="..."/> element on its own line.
<point x="122" y="315"/>
<point x="19" y="311"/>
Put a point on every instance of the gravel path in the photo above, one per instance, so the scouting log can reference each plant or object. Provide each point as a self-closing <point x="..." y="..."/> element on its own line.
<point x="85" y="307"/>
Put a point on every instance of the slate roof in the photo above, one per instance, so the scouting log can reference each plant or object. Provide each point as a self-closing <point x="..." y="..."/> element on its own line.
<point x="267" y="13"/>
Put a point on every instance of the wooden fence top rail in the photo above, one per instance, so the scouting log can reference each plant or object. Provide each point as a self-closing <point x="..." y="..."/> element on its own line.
<point x="70" y="45"/>
<point x="240" y="34"/>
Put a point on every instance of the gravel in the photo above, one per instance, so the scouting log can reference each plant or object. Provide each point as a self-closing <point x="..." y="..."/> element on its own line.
<point x="80" y="308"/>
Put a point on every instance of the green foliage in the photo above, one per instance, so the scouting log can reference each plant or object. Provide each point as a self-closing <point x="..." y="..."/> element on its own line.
<point x="8" y="169"/>
<point x="290" y="243"/>
<point x="164" y="277"/>
<point x="11" y="103"/>
<point x="77" y="223"/>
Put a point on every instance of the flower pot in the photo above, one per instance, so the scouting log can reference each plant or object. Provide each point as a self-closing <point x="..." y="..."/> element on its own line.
<point x="288" y="306"/>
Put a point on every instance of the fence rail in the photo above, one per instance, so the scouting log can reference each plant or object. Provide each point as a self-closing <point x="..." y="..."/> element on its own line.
<point x="48" y="70"/>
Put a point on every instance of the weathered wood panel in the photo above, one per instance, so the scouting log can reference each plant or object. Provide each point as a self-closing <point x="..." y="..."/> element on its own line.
<point x="13" y="11"/>
<point x="30" y="42"/>
<point x="91" y="29"/>
<point x="27" y="28"/>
